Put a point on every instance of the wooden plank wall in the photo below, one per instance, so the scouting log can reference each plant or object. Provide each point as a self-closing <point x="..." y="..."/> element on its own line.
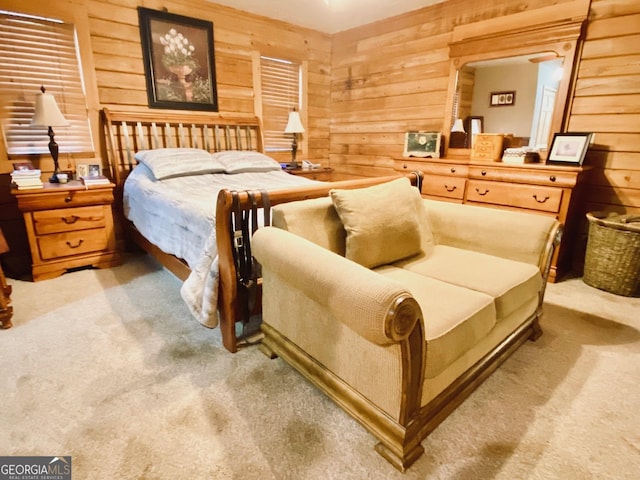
<point x="391" y="76"/>
<point x="119" y="69"/>
<point x="607" y="102"/>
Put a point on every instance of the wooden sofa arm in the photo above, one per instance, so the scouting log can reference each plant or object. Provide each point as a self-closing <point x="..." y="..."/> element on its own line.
<point x="378" y="309"/>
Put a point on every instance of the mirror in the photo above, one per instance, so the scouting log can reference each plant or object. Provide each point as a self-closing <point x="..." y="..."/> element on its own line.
<point x="514" y="74"/>
<point x="514" y="96"/>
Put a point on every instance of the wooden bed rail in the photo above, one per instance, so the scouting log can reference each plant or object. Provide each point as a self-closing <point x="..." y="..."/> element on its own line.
<point x="230" y="297"/>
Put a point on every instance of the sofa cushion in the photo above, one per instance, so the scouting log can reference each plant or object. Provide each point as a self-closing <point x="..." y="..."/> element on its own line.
<point x="455" y="318"/>
<point x="315" y="220"/>
<point x="509" y="282"/>
<point x="381" y="222"/>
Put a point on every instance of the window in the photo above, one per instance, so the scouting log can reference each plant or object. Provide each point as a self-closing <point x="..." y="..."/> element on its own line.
<point x="37" y="51"/>
<point x="281" y="92"/>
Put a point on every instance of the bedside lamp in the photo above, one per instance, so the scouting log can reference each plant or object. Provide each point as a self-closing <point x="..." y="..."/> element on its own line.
<point x="47" y="114"/>
<point x="458" y="138"/>
<point x="294" y="126"/>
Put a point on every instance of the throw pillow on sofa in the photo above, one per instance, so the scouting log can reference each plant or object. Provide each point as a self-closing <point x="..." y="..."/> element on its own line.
<point x="381" y="222"/>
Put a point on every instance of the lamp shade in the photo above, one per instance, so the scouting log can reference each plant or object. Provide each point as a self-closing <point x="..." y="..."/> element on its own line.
<point x="294" y="125"/>
<point x="47" y="113"/>
<point x="458" y="126"/>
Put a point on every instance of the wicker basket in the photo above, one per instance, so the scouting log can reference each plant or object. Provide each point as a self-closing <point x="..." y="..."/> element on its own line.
<point x="612" y="260"/>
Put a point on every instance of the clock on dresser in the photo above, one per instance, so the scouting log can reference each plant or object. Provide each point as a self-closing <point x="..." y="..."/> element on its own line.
<point x="69" y="226"/>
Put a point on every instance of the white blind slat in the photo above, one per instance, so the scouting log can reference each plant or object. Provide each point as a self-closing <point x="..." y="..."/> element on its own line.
<point x="280" y="83"/>
<point x="35" y="52"/>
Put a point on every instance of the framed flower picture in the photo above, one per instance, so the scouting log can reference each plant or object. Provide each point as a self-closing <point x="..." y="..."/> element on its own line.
<point x="178" y="60"/>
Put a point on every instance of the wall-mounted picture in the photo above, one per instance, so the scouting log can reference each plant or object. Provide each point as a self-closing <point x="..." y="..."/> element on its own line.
<point x="422" y="144"/>
<point x="178" y="60"/>
<point x="502" y="99"/>
<point x="569" y="148"/>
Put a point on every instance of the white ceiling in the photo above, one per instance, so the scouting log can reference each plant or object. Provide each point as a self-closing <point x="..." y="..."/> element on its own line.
<point x="329" y="16"/>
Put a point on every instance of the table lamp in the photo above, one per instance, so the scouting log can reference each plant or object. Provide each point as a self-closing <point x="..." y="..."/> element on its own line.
<point x="294" y="126"/>
<point x="458" y="138"/>
<point x="47" y="114"/>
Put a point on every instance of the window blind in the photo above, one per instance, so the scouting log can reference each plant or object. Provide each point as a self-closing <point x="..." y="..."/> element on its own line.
<point x="280" y="84"/>
<point x="38" y="51"/>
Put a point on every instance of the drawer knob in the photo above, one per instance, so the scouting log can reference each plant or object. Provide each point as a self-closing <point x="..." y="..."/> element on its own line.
<point x="552" y="178"/>
<point x="540" y="200"/>
<point x="453" y="169"/>
<point x="486" y="190"/>
<point x="449" y="188"/>
<point x="405" y="166"/>
<point x="70" y="220"/>
<point x="483" y="173"/>
<point x="68" y="198"/>
<point x="74" y="246"/>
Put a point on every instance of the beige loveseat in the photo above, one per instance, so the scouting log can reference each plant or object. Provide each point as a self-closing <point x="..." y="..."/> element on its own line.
<point x="398" y="307"/>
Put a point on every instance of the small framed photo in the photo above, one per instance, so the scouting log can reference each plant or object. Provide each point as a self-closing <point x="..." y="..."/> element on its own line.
<point x="94" y="170"/>
<point x="502" y="99"/>
<point x="24" y="165"/>
<point x="569" y="148"/>
<point x="422" y="144"/>
<point x="88" y="170"/>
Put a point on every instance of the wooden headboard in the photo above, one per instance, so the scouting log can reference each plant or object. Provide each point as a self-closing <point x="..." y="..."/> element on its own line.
<point x="127" y="132"/>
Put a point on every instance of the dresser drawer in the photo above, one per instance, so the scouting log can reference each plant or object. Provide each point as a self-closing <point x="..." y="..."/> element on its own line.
<point x="68" y="219"/>
<point x="59" y="245"/>
<point x="443" y="186"/>
<point x="77" y="197"/>
<point x="522" y="174"/>
<point x="532" y="197"/>
<point x="432" y="167"/>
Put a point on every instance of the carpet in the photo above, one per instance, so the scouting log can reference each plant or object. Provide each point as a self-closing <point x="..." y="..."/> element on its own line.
<point x="109" y="367"/>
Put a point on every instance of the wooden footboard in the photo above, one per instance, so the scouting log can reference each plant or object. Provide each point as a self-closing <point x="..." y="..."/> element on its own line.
<point x="232" y="301"/>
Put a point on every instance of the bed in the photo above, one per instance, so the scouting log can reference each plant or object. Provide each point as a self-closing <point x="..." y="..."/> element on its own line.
<point x="199" y="226"/>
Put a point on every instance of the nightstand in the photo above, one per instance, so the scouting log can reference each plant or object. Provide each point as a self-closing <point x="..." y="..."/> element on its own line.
<point x="69" y="226"/>
<point x="321" y="174"/>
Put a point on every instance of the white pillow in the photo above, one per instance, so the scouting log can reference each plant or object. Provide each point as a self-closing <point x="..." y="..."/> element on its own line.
<point x="238" y="161"/>
<point x="178" y="162"/>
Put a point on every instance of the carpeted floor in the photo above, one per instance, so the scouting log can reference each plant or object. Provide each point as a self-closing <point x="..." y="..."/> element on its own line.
<point x="107" y="366"/>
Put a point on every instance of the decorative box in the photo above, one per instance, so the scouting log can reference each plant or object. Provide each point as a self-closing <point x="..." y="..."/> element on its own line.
<point x="520" y="155"/>
<point x="487" y="147"/>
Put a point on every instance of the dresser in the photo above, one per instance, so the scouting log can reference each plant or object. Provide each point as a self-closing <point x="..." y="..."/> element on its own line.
<point x="535" y="188"/>
<point x="68" y="226"/>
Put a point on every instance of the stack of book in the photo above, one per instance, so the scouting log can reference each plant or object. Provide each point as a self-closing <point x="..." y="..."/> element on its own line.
<point x="25" y="179"/>
<point x="95" y="180"/>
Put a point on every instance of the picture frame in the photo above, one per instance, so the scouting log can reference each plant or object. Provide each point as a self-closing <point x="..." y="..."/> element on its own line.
<point x="23" y="165"/>
<point x="502" y="99"/>
<point x="94" y="170"/>
<point x="88" y="170"/>
<point x="179" y="61"/>
<point x="422" y="144"/>
<point x="569" y="148"/>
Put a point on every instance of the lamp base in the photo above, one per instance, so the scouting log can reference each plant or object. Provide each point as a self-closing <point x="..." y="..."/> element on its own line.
<point x="54" y="178"/>
<point x="458" y="140"/>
